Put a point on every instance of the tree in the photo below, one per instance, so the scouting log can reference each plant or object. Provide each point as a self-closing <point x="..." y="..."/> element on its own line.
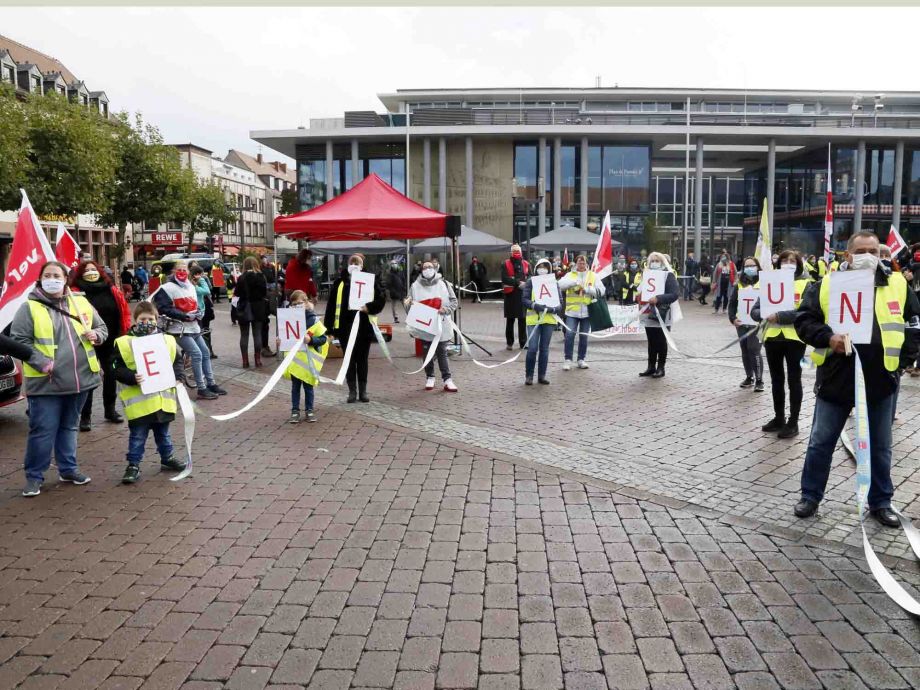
<point x="289" y="201"/>
<point x="204" y="209"/>
<point x="14" y="148"/>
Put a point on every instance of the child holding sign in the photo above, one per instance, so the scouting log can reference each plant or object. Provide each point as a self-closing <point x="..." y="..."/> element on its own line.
<point x="150" y="412"/>
<point x="315" y="347"/>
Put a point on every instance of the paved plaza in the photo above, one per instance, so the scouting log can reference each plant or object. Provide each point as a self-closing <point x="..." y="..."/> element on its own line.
<point x="603" y="531"/>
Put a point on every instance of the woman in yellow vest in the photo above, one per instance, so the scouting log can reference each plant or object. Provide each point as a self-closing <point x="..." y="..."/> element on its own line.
<point x="540" y="318"/>
<point x="145" y="412"/>
<point x="783" y="345"/>
<point x="581" y="288"/>
<point x="63" y="328"/>
<point x="303" y="371"/>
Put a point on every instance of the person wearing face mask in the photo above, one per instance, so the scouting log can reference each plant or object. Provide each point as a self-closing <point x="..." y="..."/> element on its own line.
<point x="704" y="278"/>
<point x="751" y="356"/>
<point x="633" y="279"/>
<point x="783" y="345"/>
<point x="724" y="278"/>
<point x="339" y="319"/>
<point x="581" y="287"/>
<point x="539" y="319"/>
<point x="63" y="329"/>
<point x="616" y="280"/>
<point x="691" y="266"/>
<point x="177" y="300"/>
<point x="891" y="350"/>
<point x="432" y="290"/>
<point x="514" y="274"/>
<point x="810" y="266"/>
<point x="657" y="342"/>
<point x="109" y="301"/>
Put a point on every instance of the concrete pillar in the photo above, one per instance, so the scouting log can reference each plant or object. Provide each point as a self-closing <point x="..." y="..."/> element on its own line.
<point x="356" y="172"/>
<point x="898" y="181"/>
<point x="329" y="162"/>
<point x="771" y="183"/>
<point x="468" y="219"/>
<point x="541" y="172"/>
<point x="557" y="183"/>
<point x="442" y="175"/>
<point x="698" y="200"/>
<point x="583" y="206"/>
<point x="859" y="184"/>
<point x="426" y="172"/>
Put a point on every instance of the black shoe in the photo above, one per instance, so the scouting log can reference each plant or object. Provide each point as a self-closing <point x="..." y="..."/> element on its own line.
<point x="114" y="417"/>
<point x="774" y="424"/>
<point x="758" y="387"/>
<point x="659" y="373"/>
<point x="362" y="396"/>
<point x="214" y="388"/>
<point x="789" y="430"/>
<point x="885" y="517"/>
<point x="172" y="463"/>
<point x="545" y="382"/>
<point x="528" y="380"/>
<point x="205" y="394"/>
<point x="805" y="508"/>
<point x="352" y="395"/>
<point x="747" y="383"/>
<point x="132" y="474"/>
<point x="85" y="424"/>
<point x="649" y="371"/>
<point x="213" y="356"/>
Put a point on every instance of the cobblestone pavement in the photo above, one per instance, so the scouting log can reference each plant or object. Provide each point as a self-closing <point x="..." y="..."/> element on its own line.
<point x="604" y="531"/>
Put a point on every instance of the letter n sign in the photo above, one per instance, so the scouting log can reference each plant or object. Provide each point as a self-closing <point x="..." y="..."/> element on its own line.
<point x="851" y="304"/>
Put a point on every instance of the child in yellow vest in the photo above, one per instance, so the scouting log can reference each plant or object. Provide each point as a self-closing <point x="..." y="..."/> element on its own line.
<point x="303" y="371"/>
<point x="145" y="413"/>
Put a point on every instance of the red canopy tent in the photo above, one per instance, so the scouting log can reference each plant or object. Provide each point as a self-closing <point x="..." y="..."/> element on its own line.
<point x="371" y="209"/>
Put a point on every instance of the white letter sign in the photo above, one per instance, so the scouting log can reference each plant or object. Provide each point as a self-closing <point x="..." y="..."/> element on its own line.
<point x="653" y="283"/>
<point x="362" y="290"/>
<point x="852" y="303"/>
<point x="292" y="324"/>
<point x="545" y="290"/>
<point x="777" y="292"/>
<point x="747" y="298"/>
<point x="421" y="317"/>
<point x="152" y="361"/>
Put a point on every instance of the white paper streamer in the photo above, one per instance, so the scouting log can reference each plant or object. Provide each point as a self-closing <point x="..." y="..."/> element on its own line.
<point x="469" y="352"/>
<point x="432" y="349"/>
<point x="346" y="359"/>
<point x="188" y="429"/>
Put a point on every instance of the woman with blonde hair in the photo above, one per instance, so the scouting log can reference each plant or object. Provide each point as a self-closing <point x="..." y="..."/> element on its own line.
<point x="658" y="305"/>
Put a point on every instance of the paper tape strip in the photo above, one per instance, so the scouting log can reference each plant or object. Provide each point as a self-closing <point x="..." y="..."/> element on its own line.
<point x="188" y="429"/>
<point x="432" y="349"/>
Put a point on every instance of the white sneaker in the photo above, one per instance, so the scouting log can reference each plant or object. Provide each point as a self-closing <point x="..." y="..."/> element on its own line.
<point x="567" y="365"/>
<point x="450" y="386"/>
<point x="581" y="364"/>
<point x="429" y="383"/>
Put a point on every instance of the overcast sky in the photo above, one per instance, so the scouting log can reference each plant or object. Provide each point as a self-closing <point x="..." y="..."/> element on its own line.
<point x="210" y="75"/>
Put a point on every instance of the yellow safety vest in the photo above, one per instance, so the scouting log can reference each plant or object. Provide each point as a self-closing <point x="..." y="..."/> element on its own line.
<point x="533" y="318"/>
<point x="137" y="403"/>
<point x="574" y="300"/>
<point x="338" y="305"/>
<point x="788" y="332"/>
<point x="300" y="367"/>
<point x="43" y="331"/>
<point x="890" y="301"/>
<point x="636" y="282"/>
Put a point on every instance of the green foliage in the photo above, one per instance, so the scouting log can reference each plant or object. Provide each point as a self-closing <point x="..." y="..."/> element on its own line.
<point x="655" y="240"/>
<point x="289" y="202"/>
<point x="204" y="207"/>
<point x="14" y="148"/>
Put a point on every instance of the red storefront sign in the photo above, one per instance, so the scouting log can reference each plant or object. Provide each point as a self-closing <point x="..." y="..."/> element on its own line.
<point x="166" y="239"/>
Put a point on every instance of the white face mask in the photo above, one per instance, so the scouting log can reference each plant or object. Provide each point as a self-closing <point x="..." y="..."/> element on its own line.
<point x="542" y="271"/>
<point x="354" y="267"/>
<point x="298" y="305"/>
<point x="864" y="262"/>
<point x="654" y="265"/>
<point x="52" y="285"/>
<point x="428" y="273"/>
<point x="789" y="267"/>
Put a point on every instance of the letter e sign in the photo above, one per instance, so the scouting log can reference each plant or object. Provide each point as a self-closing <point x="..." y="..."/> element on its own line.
<point x="152" y="360"/>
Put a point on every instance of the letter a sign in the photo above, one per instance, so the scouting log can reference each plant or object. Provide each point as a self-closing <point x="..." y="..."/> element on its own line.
<point x="545" y="290"/>
<point x="777" y="292"/>
<point x="852" y="303"/>
<point x="362" y="290"/>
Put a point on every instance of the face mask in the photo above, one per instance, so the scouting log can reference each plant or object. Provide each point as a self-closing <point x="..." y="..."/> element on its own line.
<point x="428" y="273"/>
<point x="91" y="276"/>
<point x="654" y="265"/>
<point x="515" y="255"/>
<point x="789" y="267"/>
<point x="52" y="285"/>
<point x="298" y="305"/>
<point x="886" y="264"/>
<point x="182" y="275"/>
<point x="542" y="271"/>
<point x="750" y="271"/>
<point x="354" y="267"/>
<point x="634" y="266"/>
<point x="864" y="262"/>
<point x="724" y="260"/>
<point x="145" y="328"/>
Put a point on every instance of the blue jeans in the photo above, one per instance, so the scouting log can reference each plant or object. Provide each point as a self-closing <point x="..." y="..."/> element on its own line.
<point x="137" y="439"/>
<point x="829" y="421"/>
<point x="583" y="326"/>
<point x="53" y="424"/>
<point x="296" y="385"/>
<point x="539" y="342"/>
<point x="688" y="287"/>
<point x="196" y="348"/>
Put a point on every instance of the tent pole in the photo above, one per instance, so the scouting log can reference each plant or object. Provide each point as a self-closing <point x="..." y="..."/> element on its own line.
<point x="455" y="260"/>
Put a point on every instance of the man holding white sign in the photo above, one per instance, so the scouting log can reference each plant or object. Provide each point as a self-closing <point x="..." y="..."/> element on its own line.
<point x="860" y="308"/>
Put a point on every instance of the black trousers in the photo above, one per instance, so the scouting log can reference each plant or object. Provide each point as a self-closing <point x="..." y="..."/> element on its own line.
<point x="790" y="352"/>
<point x="256" y="336"/>
<point x="657" y="347"/>
<point x="356" y="375"/>
<point x="105" y="356"/>
<point x="521" y="329"/>
<point x="265" y="324"/>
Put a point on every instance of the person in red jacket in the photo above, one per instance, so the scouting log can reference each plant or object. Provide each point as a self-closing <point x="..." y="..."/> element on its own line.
<point x="299" y="275"/>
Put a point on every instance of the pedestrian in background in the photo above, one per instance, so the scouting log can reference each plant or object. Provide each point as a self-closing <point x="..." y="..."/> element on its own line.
<point x="751" y="356"/>
<point x="478" y="273"/>
<point x="515" y="271"/>
<point x="251" y="310"/>
<point x="724" y="278"/>
<point x="396" y="289"/>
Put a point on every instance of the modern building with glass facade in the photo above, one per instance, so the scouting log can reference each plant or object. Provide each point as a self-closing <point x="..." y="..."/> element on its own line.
<point x="518" y="162"/>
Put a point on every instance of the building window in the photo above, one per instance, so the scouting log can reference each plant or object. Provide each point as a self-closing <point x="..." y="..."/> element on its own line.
<point x="525" y="170"/>
<point x="10" y="73"/>
<point x="37" y="84"/>
<point x="311" y="182"/>
<point x="261" y="205"/>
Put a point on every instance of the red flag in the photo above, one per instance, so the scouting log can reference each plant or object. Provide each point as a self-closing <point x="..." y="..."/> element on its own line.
<point x="66" y="248"/>
<point x="828" y="211"/>
<point x="895" y="242"/>
<point x="602" y="265"/>
<point x="565" y="257"/>
<point x="30" y="251"/>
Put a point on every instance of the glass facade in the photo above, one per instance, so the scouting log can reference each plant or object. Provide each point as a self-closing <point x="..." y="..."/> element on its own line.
<point x="385" y="160"/>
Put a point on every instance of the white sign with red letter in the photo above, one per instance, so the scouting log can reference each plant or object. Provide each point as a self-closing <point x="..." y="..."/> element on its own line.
<point x="852" y="303"/>
<point x="152" y="361"/>
<point x="292" y="325"/>
<point x="361" y="291"/>
<point x="421" y="317"/>
<point x="747" y="298"/>
<point x="777" y="292"/>
<point x="653" y="283"/>
<point x="545" y="290"/>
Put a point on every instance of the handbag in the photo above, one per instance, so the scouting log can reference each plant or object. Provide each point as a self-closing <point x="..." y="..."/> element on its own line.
<point x="705" y="280"/>
<point x="599" y="315"/>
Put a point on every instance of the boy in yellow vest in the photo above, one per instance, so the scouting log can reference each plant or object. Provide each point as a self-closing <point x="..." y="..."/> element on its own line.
<point x="145" y="413"/>
<point x="303" y="371"/>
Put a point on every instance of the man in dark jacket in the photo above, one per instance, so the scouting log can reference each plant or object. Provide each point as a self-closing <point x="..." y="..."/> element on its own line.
<point x="515" y="272"/>
<point x="478" y="278"/>
<point x="691" y="265"/>
<point x="883" y="361"/>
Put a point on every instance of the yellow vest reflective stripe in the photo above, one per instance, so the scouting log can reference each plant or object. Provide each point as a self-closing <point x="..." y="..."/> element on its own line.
<point x="533" y="318"/>
<point x="573" y="300"/>
<point x="338" y="305"/>
<point x="137" y="403"/>
<point x="636" y="282"/>
<point x="43" y="331"/>
<point x="888" y="299"/>
<point x="788" y="332"/>
<point x="299" y="367"/>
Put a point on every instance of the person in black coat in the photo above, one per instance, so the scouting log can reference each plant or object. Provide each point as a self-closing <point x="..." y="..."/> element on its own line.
<point x="339" y="319"/>
<point x="396" y="288"/>
<point x="515" y="272"/>
<point x="657" y="341"/>
<point x="252" y="308"/>
<point x="478" y="275"/>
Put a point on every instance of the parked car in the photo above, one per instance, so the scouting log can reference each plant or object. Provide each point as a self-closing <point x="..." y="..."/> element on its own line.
<point x="10" y="381"/>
